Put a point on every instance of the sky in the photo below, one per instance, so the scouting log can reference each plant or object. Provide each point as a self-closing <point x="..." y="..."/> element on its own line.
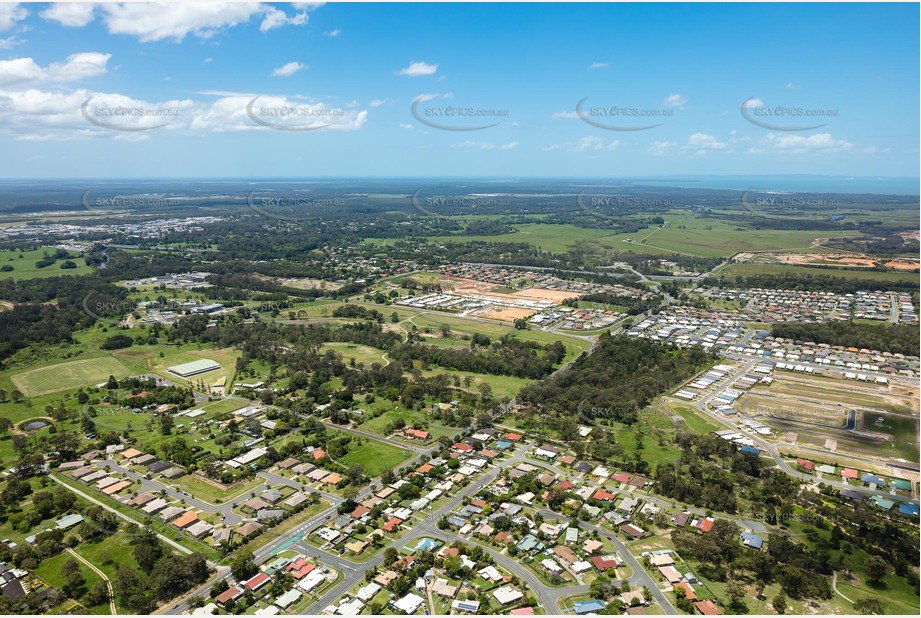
<point x="131" y="90"/>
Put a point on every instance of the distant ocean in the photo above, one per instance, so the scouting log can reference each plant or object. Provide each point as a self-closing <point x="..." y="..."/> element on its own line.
<point x="879" y="185"/>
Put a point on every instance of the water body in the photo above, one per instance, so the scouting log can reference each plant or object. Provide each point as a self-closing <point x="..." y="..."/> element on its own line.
<point x="878" y="185"/>
<point x="35" y="425"/>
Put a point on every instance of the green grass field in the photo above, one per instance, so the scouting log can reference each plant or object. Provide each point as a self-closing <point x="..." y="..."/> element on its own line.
<point x="374" y="456"/>
<point x="743" y="270"/>
<point x="683" y="233"/>
<point x="378" y="424"/>
<point x="148" y="360"/>
<point x="24" y="268"/>
<point x="361" y="353"/>
<point x="69" y="375"/>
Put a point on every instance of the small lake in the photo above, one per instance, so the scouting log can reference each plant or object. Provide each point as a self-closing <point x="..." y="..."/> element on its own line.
<point x="35" y="425"/>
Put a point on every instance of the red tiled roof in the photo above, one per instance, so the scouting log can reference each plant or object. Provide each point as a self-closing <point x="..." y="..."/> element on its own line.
<point x="231" y="593"/>
<point x="392" y="524"/>
<point x="514" y="437"/>
<point x="705" y="524"/>
<point x="460" y="446"/>
<point x="603" y="564"/>
<point x="360" y="511"/>
<point x="603" y="495"/>
<point x="258" y="581"/>
<point x="319" y="454"/>
<point x="707" y="608"/>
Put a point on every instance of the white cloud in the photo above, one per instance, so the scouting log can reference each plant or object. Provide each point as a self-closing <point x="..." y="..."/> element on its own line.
<point x="876" y="150"/>
<point x="275" y="18"/>
<point x="477" y="145"/>
<point x="791" y="86"/>
<point x="417" y="69"/>
<point x="72" y="14"/>
<point x="658" y="149"/>
<point x="10" y="14"/>
<point x="705" y="141"/>
<point x="598" y="65"/>
<point x="10" y="42"/>
<point x="676" y="100"/>
<point x="36" y="115"/>
<point x="156" y="22"/>
<point x="377" y="102"/>
<point x="78" y="66"/>
<point x="565" y="115"/>
<point x="591" y="143"/>
<point x="289" y="69"/>
<point x="404" y="125"/>
<point x="334" y="33"/>
<point x="209" y="60"/>
<point x="801" y="143"/>
<point x="152" y="21"/>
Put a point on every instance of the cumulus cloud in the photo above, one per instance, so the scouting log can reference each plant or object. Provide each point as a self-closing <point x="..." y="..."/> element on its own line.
<point x="478" y="145"/>
<point x="377" y="102"/>
<point x="334" y="33"/>
<point x="10" y="42"/>
<point x="275" y="18"/>
<point x="10" y="14"/>
<point x="705" y="141"/>
<point x="289" y="69"/>
<point x="418" y="69"/>
<point x="591" y="143"/>
<point x="802" y="143"/>
<point x="661" y="148"/>
<point x="676" y="100"/>
<point x="72" y="14"/>
<point x="598" y="65"/>
<point x="76" y="67"/>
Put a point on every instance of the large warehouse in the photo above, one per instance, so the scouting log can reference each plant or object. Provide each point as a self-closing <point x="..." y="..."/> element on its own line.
<point x="194" y="368"/>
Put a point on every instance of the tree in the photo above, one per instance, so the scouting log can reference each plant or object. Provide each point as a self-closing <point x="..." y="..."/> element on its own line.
<point x="166" y="424"/>
<point x="98" y="594"/>
<point x="779" y="603"/>
<point x="243" y="566"/>
<point x="5" y="425"/>
<point x="736" y="592"/>
<point x="876" y="569"/>
<point x="869" y="606"/>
